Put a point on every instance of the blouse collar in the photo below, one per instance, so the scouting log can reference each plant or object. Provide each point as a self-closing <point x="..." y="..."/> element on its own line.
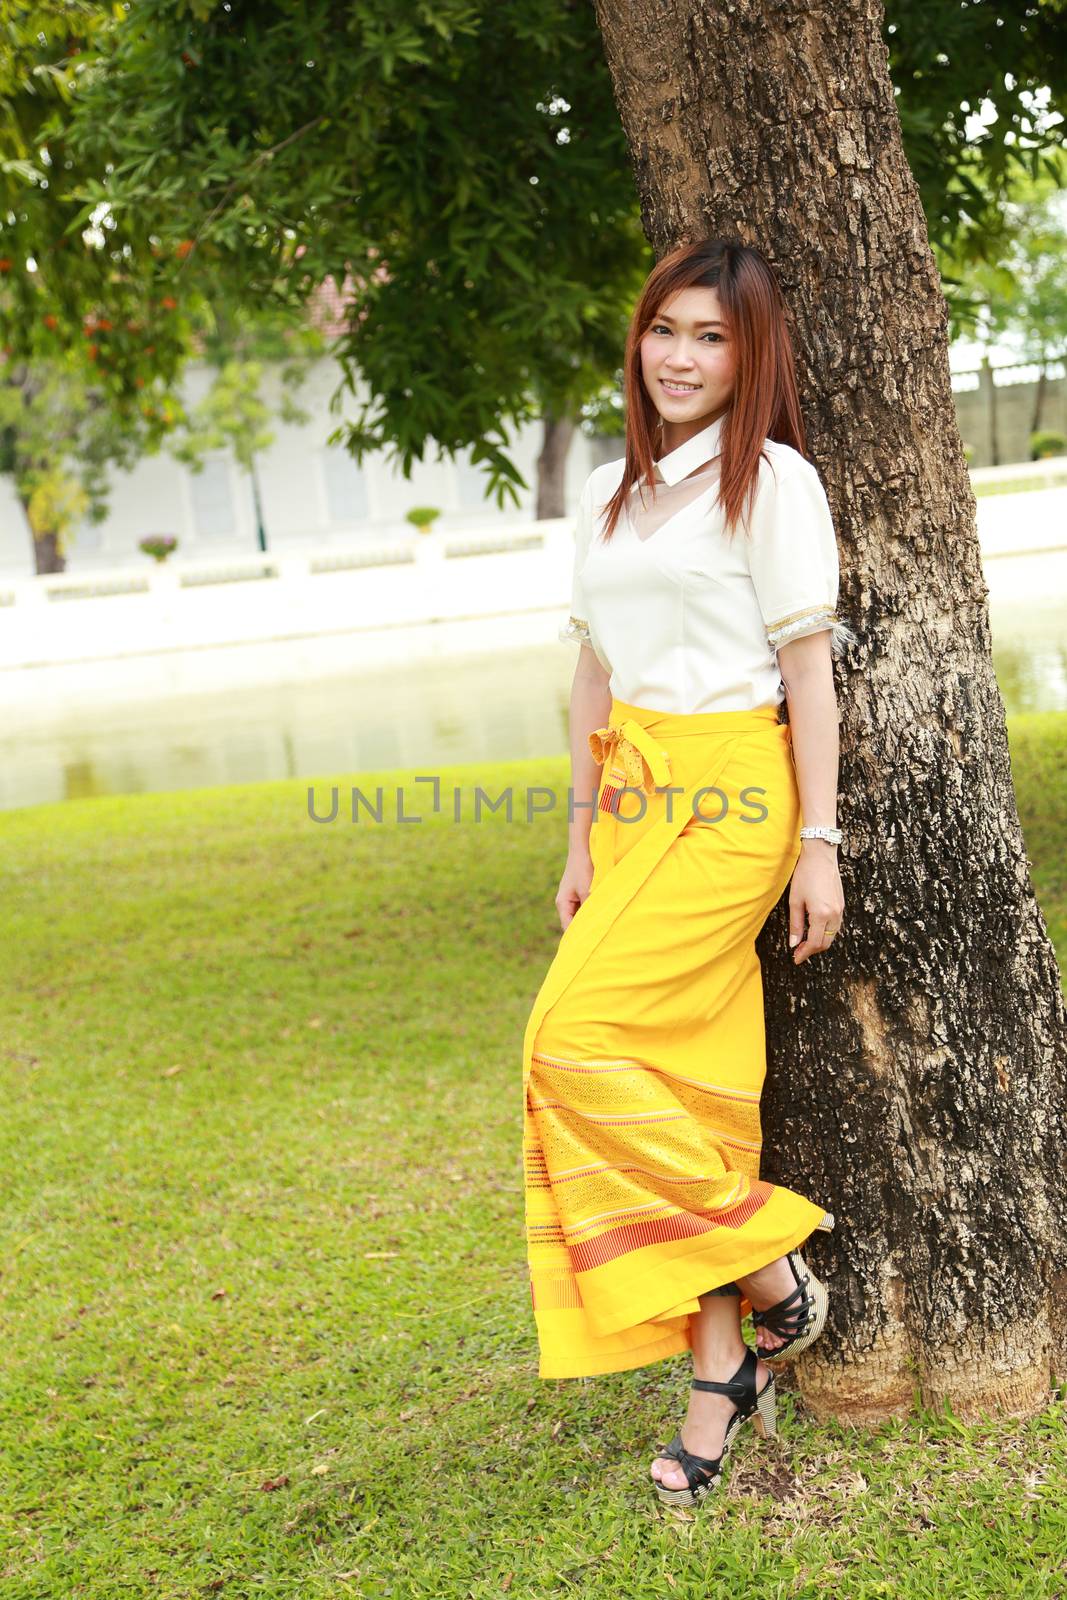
<point x="703" y="446"/>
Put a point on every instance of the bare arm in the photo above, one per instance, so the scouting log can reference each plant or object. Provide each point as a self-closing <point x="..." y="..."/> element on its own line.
<point x="807" y="672"/>
<point x="590" y="707"/>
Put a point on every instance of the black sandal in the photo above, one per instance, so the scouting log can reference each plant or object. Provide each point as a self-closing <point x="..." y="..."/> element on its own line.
<point x="799" y="1318"/>
<point x="704" y="1473"/>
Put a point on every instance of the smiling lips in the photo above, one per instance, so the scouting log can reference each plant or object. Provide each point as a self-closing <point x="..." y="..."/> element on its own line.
<point x="679" y="388"/>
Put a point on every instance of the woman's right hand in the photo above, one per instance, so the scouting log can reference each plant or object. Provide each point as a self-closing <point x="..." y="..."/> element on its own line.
<point x="574" y="885"/>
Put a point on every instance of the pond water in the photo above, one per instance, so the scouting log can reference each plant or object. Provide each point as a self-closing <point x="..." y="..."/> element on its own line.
<point x="508" y="705"/>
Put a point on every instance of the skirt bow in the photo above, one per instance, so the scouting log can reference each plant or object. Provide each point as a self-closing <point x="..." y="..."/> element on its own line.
<point x="637" y="761"/>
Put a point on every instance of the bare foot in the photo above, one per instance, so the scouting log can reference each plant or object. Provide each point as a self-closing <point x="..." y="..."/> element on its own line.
<point x="765" y="1288"/>
<point x="704" y="1429"/>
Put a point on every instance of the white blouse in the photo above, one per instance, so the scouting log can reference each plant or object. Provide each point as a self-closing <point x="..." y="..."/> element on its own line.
<point x="682" y="618"/>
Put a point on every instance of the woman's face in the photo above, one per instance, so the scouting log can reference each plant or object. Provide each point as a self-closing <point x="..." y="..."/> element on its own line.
<point x="688" y="345"/>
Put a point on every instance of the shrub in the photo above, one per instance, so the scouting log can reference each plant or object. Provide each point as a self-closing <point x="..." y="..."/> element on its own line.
<point x="1047" y="442"/>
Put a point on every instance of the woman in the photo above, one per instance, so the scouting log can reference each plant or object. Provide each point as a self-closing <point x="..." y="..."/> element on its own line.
<point x="705" y="582"/>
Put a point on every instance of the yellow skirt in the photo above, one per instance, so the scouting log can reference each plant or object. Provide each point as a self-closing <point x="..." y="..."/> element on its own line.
<point x="644" y="1055"/>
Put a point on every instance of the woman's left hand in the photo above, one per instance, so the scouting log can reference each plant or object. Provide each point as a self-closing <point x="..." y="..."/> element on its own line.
<point x="816" y="893"/>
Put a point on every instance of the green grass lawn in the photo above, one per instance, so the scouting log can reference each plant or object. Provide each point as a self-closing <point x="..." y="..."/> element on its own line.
<point x="1044" y="477"/>
<point x="266" y="1327"/>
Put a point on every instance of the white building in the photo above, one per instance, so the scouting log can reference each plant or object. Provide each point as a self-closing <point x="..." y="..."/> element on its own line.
<point x="313" y="495"/>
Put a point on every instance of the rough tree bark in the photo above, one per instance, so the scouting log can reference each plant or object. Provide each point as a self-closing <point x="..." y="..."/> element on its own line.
<point x="916" y="1082"/>
<point x="552" y="466"/>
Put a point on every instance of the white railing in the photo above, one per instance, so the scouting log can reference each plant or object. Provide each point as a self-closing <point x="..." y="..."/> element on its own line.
<point x="517" y="576"/>
<point x="252" y="621"/>
<point x="1007" y="376"/>
<point x="423" y="550"/>
<point x="1048" y="473"/>
<point x="488" y="581"/>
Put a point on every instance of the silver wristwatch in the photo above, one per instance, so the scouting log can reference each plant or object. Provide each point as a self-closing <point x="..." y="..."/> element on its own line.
<point x="831" y="835"/>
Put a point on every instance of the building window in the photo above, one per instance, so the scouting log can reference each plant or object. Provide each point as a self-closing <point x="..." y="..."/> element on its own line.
<point x="346" y="487"/>
<point x="212" y="497"/>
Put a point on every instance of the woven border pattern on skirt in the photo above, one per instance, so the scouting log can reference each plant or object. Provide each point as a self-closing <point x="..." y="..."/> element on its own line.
<point x="644" y="1054"/>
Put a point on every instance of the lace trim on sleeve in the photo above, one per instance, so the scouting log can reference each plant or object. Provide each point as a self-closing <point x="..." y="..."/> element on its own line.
<point x="577" y="628"/>
<point x="813" y="620"/>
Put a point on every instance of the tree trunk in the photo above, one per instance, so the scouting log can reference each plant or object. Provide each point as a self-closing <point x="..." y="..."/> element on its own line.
<point x="1040" y="391"/>
<point x="552" y="466"/>
<point x="47" y="555"/>
<point x="993" y="419"/>
<point x="916" y="1083"/>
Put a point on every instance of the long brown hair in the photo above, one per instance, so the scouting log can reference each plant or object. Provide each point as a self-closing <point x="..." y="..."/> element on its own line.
<point x="764" y="404"/>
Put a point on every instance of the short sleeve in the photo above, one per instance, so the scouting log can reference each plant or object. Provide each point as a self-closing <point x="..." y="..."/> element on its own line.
<point x="793" y="558"/>
<point x="577" y="624"/>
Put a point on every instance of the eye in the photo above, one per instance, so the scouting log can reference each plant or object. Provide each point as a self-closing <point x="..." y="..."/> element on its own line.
<point x="658" y="327"/>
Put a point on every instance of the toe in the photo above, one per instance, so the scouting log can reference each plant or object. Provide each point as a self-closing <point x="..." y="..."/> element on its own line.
<point x="665" y="1471"/>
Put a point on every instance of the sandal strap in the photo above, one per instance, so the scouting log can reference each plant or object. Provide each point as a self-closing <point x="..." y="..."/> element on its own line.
<point x="671" y="1450"/>
<point x="699" y="1471"/>
<point x="741" y="1387"/>
<point x="735" y="1388"/>
<point x="785" y="1317"/>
